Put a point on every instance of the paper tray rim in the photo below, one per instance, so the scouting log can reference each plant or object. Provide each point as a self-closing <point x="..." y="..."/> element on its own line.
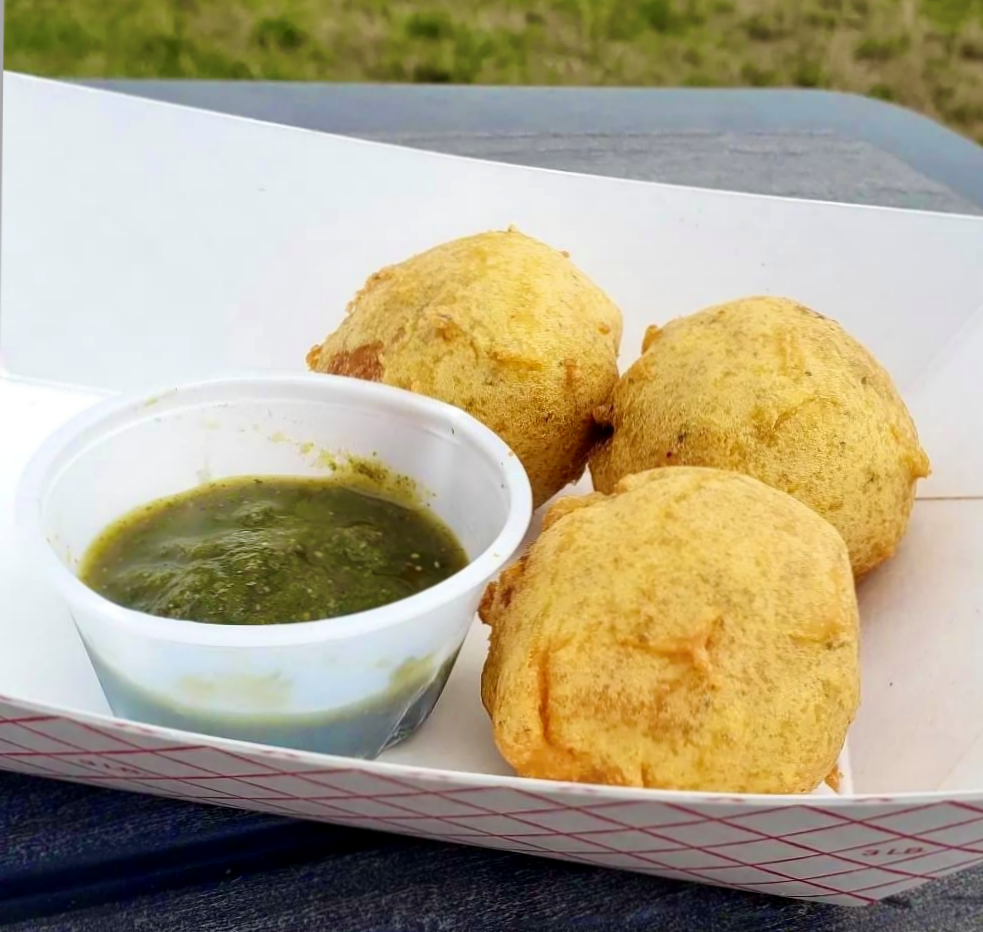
<point x="972" y="219"/>
<point x="502" y="781"/>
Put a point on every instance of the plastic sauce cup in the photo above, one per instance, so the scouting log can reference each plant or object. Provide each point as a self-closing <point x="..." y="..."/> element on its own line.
<point x="351" y="685"/>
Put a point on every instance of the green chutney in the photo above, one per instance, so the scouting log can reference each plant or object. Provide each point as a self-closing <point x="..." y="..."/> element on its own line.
<point x="261" y="550"/>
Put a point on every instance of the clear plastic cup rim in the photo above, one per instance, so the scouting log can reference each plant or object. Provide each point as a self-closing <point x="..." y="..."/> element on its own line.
<point x="86" y="429"/>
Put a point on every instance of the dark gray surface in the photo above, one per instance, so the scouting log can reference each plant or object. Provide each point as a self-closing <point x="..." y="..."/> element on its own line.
<point x="75" y="858"/>
<point x="813" y="144"/>
<point x="237" y="872"/>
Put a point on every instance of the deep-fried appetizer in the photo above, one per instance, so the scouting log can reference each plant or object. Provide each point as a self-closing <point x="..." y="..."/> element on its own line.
<point x="501" y="325"/>
<point x="695" y="630"/>
<point x="767" y="387"/>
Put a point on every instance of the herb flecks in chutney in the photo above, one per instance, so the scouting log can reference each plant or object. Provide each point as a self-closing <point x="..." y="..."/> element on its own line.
<point x="271" y="550"/>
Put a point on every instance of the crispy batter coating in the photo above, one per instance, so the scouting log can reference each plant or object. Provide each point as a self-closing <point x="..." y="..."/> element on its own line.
<point x="696" y="630"/>
<point x="767" y="387"/>
<point x="501" y="325"/>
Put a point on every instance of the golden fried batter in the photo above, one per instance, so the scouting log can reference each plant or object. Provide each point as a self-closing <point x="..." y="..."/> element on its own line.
<point x="696" y="630"/>
<point x="501" y="325"/>
<point x="767" y="387"/>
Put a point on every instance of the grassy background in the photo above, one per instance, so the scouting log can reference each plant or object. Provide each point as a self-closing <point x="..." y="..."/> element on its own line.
<point x="926" y="54"/>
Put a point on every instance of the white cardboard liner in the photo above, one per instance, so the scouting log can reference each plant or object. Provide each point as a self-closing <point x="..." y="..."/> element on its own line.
<point x="149" y="243"/>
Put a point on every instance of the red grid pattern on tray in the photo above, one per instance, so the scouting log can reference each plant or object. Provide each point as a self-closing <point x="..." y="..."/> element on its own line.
<point x="805" y="851"/>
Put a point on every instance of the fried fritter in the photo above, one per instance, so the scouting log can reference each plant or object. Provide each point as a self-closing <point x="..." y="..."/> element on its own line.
<point x="501" y="325"/>
<point x="696" y="630"/>
<point x="767" y="387"/>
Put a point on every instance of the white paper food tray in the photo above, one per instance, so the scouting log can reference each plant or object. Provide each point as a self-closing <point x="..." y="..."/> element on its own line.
<point x="144" y="242"/>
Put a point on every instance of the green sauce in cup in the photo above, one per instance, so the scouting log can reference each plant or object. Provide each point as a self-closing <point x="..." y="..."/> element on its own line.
<point x="265" y="550"/>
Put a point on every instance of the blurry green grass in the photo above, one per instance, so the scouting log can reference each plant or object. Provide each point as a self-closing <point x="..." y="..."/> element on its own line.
<point x="925" y="54"/>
